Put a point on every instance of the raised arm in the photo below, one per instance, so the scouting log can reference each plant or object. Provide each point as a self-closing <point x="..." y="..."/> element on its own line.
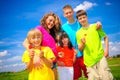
<point x="81" y="46"/>
<point x="26" y="44"/>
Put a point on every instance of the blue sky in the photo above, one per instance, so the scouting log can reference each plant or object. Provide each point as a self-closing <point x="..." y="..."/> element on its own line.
<point x="17" y="17"/>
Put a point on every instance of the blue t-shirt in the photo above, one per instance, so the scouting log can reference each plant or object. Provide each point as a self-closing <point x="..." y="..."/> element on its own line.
<point x="71" y="30"/>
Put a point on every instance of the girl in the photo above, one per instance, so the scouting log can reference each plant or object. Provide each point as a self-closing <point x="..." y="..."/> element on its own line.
<point x="66" y="57"/>
<point x="38" y="63"/>
<point x="50" y="26"/>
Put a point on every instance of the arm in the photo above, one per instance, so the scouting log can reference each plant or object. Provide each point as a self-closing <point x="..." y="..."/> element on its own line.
<point x="26" y="44"/>
<point x="74" y="57"/>
<point x="29" y="64"/>
<point x="48" y="62"/>
<point x="106" y="51"/>
<point x="81" y="46"/>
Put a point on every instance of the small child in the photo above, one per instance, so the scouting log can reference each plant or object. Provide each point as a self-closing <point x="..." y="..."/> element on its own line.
<point x="89" y="41"/>
<point x="66" y="57"/>
<point x="39" y="61"/>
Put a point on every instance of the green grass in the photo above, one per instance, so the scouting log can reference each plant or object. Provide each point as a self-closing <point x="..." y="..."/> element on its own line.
<point x="114" y="65"/>
<point x="22" y="75"/>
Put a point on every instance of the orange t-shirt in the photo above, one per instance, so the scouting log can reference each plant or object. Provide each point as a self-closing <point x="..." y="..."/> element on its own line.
<point x="68" y="55"/>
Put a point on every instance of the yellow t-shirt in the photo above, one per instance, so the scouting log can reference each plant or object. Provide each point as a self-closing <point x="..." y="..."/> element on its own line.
<point x="45" y="73"/>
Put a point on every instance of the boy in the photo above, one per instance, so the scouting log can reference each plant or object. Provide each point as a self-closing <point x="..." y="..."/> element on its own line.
<point x="89" y="41"/>
<point x="70" y="27"/>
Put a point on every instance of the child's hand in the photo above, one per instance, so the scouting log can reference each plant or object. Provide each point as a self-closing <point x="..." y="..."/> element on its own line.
<point x="75" y="52"/>
<point x="37" y="62"/>
<point x="99" y="25"/>
<point x="41" y="55"/>
<point x="31" y="53"/>
<point x="60" y="54"/>
<point x="60" y="63"/>
<point x="83" y="40"/>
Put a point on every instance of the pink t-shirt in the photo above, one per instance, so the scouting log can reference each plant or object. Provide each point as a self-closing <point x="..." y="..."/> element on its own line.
<point x="47" y="39"/>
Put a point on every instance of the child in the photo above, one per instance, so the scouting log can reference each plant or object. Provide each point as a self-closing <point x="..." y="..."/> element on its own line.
<point x="50" y="26"/>
<point x="40" y="61"/>
<point x="66" y="57"/>
<point x="89" y="41"/>
<point x="70" y="27"/>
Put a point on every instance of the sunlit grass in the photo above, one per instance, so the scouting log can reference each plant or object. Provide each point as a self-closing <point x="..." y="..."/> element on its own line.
<point x="114" y="64"/>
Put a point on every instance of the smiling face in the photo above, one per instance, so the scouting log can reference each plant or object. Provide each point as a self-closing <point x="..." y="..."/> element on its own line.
<point x="35" y="38"/>
<point x="36" y="41"/>
<point x="83" y="20"/>
<point x="50" y="22"/>
<point x="68" y="13"/>
<point x="65" y="41"/>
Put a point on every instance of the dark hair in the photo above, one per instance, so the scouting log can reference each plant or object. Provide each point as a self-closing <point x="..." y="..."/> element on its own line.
<point x="80" y="13"/>
<point x="64" y="35"/>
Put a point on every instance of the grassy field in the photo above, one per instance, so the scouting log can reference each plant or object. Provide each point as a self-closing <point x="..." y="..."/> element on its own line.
<point x="114" y="64"/>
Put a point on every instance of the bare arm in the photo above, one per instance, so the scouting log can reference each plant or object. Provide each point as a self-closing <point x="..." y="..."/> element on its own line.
<point x="30" y="65"/>
<point x="74" y="57"/>
<point x="81" y="46"/>
<point x="106" y="51"/>
<point x="26" y="44"/>
<point x="48" y="62"/>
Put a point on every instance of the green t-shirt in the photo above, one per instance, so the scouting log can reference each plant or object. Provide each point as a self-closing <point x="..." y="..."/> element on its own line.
<point x="93" y="50"/>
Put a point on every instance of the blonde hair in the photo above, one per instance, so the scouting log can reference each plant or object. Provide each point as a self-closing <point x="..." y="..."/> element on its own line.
<point x="32" y="33"/>
<point x="57" y="22"/>
<point x="67" y="7"/>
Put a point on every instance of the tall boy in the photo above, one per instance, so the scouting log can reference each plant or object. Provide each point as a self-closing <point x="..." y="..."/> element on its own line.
<point x="89" y="41"/>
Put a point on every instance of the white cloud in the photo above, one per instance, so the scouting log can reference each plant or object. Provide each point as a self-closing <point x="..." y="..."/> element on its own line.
<point x="108" y="3"/>
<point x="12" y="67"/>
<point x="113" y="48"/>
<point x="1" y="61"/>
<point x="4" y="53"/>
<point x="114" y="44"/>
<point x="85" y="6"/>
<point x="15" y="58"/>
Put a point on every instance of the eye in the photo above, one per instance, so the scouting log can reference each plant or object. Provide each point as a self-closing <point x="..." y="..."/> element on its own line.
<point x="39" y="37"/>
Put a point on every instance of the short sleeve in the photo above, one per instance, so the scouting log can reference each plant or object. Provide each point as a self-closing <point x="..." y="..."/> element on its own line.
<point x="25" y="57"/>
<point x="101" y="33"/>
<point x="49" y="53"/>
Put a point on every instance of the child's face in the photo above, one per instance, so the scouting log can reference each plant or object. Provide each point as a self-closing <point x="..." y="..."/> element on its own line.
<point x="65" y="41"/>
<point x="82" y="19"/>
<point x="68" y="13"/>
<point x="36" y="41"/>
<point x="50" y="21"/>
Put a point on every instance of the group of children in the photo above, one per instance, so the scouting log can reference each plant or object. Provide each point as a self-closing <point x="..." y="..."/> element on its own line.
<point x="54" y="51"/>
